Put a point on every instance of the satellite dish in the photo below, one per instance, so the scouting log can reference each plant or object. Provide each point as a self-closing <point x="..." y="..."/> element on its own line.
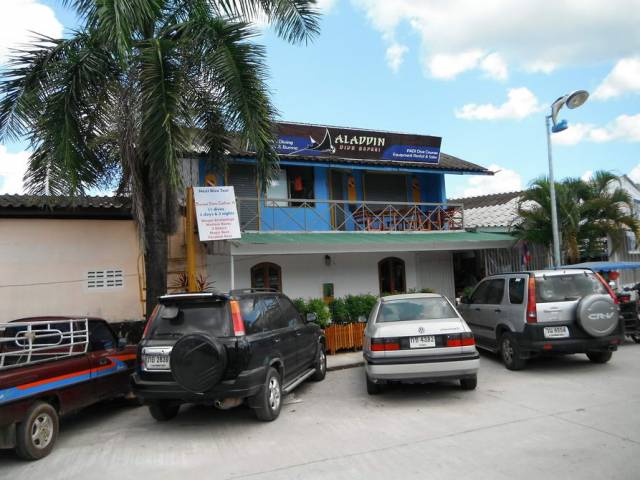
<point x="577" y="98"/>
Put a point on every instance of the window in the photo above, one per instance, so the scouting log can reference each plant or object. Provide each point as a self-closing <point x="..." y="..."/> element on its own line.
<point x="101" y="336"/>
<point x="433" y="308"/>
<point x="105" y="279"/>
<point x="489" y="292"/>
<point x="292" y="182"/>
<point x="266" y="275"/>
<point x="274" y="317"/>
<point x="212" y="317"/>
<point x="289" y="313"/>
<point x="566" y="288"/>
<point x="391" y="274"/>
<point x="516" y="290"/>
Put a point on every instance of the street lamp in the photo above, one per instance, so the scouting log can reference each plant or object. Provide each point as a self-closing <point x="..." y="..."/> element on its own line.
<point x="573" y="100"/>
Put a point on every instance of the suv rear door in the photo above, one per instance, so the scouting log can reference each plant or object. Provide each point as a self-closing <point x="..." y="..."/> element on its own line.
<point x="484" y="309"/>
<point x="305" y="333"/>
<point x="283" y="336"/>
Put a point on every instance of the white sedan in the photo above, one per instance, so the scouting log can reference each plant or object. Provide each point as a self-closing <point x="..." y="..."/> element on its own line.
<point x="418" y="338"/>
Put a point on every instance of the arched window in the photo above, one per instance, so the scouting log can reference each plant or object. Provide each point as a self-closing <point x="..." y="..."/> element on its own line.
<point x="391" y="275"/>
<point x="266" y="275"/>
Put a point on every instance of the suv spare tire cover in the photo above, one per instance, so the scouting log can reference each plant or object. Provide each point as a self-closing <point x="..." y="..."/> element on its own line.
<point x="597" y="315"/>
<point x="198" y="362"/>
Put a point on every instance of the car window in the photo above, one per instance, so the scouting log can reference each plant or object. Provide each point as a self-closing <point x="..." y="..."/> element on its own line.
<point x="565" y="288"/>
<point x="289" y="313"/>
<point x="495" y="291"/>
<point x="101" y="337"/>
<point x="516" y="290"/>
<point x="212" y="317"/>
<point x="252" y="311"/>
<point x="431" y="308"/>
<point x="274" y="317"/>
<point x="480" y="293"/>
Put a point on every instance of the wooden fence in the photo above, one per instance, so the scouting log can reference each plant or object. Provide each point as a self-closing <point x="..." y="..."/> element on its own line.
<point x="344" y="337"/>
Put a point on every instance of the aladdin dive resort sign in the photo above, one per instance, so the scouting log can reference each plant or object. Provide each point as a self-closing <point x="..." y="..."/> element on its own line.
<point x="338" y="142"/>
<point x="216" y="213"/>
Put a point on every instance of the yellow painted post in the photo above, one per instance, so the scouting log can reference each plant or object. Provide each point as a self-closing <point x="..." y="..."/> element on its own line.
<point x="190" y="241"/>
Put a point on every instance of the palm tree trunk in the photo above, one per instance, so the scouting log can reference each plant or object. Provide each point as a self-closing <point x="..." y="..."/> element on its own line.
<point x="156" y="246"/>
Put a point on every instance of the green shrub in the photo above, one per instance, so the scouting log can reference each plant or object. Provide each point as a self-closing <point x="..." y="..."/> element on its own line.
<point x="317" y="306"/>
<point x="359" y="306"/>
<point x="339" y="311"/>
<point x="300" y="305"/>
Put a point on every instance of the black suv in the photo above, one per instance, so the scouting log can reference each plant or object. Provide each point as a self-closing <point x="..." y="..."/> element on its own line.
<point x="224" y="349"/>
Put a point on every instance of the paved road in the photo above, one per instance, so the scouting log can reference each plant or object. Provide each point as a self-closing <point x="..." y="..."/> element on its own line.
<point x="560" y="418"/>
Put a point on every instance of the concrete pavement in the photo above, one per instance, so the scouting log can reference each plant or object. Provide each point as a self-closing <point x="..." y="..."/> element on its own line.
<point x="344" y="360"/>
<point x="558" y="419"/>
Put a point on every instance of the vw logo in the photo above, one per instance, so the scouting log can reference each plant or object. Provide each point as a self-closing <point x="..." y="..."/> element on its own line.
<point x="421" y="330"/>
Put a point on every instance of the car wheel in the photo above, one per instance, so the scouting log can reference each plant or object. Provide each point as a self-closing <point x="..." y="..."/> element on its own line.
<point x="469" y="383"/>
<point x="268" y="402"/>
<point x="36" y="436"/>
<point x="164" y="410"/>
<point x="320" y="364"/>
<point x="510" y="352"/>
<point x="372" y="387"/>
<point x="600" y="357"/>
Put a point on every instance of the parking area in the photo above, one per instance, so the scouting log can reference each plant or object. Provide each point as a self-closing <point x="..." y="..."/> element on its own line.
<point x="559" y="418"/>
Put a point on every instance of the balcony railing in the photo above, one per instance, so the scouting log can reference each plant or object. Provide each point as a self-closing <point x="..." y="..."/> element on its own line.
<point x="275" y="214"/>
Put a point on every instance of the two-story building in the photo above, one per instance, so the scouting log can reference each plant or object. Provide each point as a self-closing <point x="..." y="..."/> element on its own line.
<point x="350" y="212"/>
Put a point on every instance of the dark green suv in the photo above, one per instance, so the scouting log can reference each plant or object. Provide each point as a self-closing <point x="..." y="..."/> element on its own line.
<point x="225" y="349"/>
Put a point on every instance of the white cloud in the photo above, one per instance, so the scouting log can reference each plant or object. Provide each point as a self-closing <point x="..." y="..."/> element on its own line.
<point x="447" y="66"/>
<point x="521" y="103"/>
<point x="504" y="180"/>
<point x="495" y="67"/>
<point x="586" y="176"/>
<point x="634" y="174"/>
<point x="625" y="128"/>
<point x="325" y="5"/>
<point x="395" y="56"/>
<point x="20" y="19"/>
<point x="625" y="77"/>
<point x="12" y="169"/>
<point x="525" y="34"/>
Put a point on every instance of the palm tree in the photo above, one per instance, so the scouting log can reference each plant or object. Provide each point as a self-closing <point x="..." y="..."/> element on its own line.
<point x="140" y="85"/>
<point x="588" y="213"/>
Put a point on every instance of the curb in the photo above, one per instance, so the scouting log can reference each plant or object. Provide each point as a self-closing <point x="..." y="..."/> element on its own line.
<point x="345" y="366"/>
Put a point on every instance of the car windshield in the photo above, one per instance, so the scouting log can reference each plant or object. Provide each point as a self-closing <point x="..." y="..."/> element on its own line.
<point x="565" y="288"/>
<point x="181" y="319"/>
<point x="432" y="308"/>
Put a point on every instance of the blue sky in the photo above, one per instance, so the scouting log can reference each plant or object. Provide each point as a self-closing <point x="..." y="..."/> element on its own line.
<point x="481" y="77"/>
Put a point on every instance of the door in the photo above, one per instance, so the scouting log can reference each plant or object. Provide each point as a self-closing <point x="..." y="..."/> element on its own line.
<point x="306" y="346"/>
<point x="283" y="336"/>
<point x="337" y="193"/>
<point x="110" y="375"/>
<point x="482" y="311"/>
<point x="391" y="275"/>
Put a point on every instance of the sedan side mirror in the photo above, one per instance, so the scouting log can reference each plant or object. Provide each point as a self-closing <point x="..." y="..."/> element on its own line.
<point x="311" y="317"/>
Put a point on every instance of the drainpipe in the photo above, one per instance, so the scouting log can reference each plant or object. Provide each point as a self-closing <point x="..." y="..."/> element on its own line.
<point x="190" y="241"/>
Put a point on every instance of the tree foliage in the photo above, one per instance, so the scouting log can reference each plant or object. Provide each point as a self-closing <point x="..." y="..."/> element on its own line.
<point x="589" y="213"/>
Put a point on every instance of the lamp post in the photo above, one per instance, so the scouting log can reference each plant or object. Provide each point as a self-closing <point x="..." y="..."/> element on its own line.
<point x="572" y="100"/>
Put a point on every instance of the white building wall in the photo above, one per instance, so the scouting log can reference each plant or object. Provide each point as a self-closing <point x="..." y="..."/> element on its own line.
<point x="303" y="275"/>
<point x="435" y="271"/>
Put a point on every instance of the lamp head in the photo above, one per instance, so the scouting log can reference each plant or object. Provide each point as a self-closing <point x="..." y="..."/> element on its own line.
<point x="577" y="98"/>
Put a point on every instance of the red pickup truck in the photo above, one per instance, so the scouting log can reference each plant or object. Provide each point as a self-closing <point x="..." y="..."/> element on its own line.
<point x="50" y="366"/>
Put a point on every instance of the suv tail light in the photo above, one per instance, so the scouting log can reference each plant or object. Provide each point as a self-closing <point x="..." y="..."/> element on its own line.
<point x="609" y="289"/>
<point x="461" y="340"/>
<point x="532" y="309"/>
<point x="152" y="317"/>
<point x="236" y="317"/>
<point x="384" y="344"/>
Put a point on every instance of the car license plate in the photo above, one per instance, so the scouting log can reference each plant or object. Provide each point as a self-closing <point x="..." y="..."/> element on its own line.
<point x="556" y="332"/>
<point x="422" y="342"/>
<point x="156" y="362"/>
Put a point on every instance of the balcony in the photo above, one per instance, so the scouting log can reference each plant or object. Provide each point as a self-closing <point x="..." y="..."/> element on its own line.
<point x="284" y="215"/>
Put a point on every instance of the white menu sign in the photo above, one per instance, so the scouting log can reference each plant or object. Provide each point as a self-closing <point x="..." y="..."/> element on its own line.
<point x="216" y="213"/>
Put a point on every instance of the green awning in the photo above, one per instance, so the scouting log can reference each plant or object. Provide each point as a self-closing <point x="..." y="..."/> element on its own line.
<point x="320" y="238"/>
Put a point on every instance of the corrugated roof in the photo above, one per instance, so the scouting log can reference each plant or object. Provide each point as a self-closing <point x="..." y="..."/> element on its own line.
<point x="324" y="238"/>
<point x="490" y="200"/>
<point x="63" y="206"/>
<point x="497" y="210"/>
<point x="447" y="162"/>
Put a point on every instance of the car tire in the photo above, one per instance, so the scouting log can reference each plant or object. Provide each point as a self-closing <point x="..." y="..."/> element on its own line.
<point x="372" y="387"/>
<point x="469" y="383"/>
<point x="268" y="402"/>
<point x="164" y="410"/>
<point x="600" y="357"/>
<point x="510" y="352"/>
<point x="36" y="436"/>
<point x="320" y="365"/>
